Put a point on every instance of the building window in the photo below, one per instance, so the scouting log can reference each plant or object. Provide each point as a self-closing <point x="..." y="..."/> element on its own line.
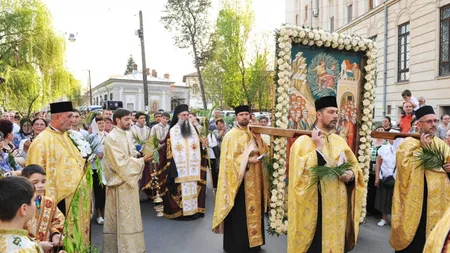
<point x="349" y="13"/>
<point x="374" y="3"/>
<point x="389" y="110"/>
<point x="444" y="61"/>
<point x="403" y="52"/>
<point x="332" y="24"/>
<point x="110" y="96"/>
<point x="306" y="13"/>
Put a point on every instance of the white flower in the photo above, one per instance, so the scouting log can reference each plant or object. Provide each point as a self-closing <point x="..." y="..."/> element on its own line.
<point x="348" y="47"/>
<point x="362" y="146"/>
<point x="364" y="118"/>
<point x="361" y="158"/>
<point x="341" y="46"/>
<point x="311" y="42"/>
<point x="316" y="37"/>
<point x="363" y="139"/>
<point x="310" y="35"/>
<point x="319" y="43"/>
<point x="305" y="41"/>
<point x="302" y="34"/>
<point x="366" y="111"/>
<point x="364" y="127"/>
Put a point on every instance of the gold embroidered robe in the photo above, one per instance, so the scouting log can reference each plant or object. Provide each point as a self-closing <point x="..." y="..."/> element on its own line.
<point x="438" y="238"/>
<point x="123" y="230"/>
<point x="236" y="148"/>
<point x="341" y="207"/>
<point x="408" y="193"/>
<point x="63" y="164"/>
<point x="17" y="241"/>
<point x="46" y="223"/>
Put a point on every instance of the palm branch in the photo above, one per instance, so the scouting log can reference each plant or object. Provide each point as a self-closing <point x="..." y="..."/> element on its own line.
<point x="325" y="174"/>
<point x="431" y="156"/>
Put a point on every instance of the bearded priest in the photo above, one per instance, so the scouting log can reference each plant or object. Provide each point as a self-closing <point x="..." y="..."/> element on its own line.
<point x="183" y="175"/>
<point x="421" y="196"/>
<point x="242" y="189"/>
<point x="323" y="217"/>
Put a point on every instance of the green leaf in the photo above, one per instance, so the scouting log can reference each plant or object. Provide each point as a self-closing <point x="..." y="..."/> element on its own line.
<point x="431" y="157"/>
<point x="325" y="175"/>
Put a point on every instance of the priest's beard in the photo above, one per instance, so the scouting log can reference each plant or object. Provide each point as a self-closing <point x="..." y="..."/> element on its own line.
<point x="185" y="128"/>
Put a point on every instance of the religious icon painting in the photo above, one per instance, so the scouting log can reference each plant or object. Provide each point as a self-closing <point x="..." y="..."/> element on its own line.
<point x="319" y="72"/>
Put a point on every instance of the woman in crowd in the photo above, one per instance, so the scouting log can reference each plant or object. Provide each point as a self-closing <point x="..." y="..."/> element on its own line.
<point x="384" y="178"/>
<point x="371" y="191"/>
<point x="24" y="132"/>
<point x="387" y="124"/>
<point x="6" y="128"/>
<point x="447" y="138"/>
<point x="97" y="138"/>
<point x="220" y="132"/>
<point x="37" y="126"/>
<point x="8" y="167"/>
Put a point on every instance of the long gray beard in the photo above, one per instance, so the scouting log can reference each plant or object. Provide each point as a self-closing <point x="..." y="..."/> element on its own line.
<point x="185" y="128"/>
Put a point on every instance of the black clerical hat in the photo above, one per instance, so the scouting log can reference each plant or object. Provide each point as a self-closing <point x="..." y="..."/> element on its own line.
<point x="425" y="110"/>
<point x="58" y="107"/>
<point x="179" y="109"/>
<point x="324" y="102"/>
<point x="241" y="108"/>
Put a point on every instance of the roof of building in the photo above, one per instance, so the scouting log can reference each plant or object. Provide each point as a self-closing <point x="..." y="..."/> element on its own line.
<point x="135" y="78"/>
<point x="193" y="74"/>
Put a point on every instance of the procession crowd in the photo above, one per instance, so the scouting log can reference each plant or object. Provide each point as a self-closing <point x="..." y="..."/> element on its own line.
<point x="130" y="159"/>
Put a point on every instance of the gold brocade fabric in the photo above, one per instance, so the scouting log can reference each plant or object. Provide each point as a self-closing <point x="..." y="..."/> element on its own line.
<point x="50" y="220"/>
<point x="123" y="230"/>
<point x="64" y="165"/>
<point x="438" y="238"/>
<point x="17" y="241"/>
<point x="408" y="193"/>
<point x="341" y="207"/>
<point x="233" y="146"/>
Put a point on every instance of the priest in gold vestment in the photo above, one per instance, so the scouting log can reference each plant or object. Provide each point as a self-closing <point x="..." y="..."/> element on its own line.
<point x="123" y="230"/>
<point x="242" y="189"/>
<point x="183" y="172"/>
<point x="439" y="239"/>
<point x="55" y="152"/>
<point x="323" y="218"/>
<point x="421" y="196"/>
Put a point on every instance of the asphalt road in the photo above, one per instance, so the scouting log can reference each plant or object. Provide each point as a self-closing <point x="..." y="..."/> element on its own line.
<point x="169" y="236"/>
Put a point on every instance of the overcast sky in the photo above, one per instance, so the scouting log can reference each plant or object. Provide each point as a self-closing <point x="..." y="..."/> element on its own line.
<point x="105" y="31"/>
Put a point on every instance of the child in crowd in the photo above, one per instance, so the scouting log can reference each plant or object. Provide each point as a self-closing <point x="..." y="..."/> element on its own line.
<point x="17" y="206"/>
<point x="46" y="225"/>
<point x="408" y="97"/>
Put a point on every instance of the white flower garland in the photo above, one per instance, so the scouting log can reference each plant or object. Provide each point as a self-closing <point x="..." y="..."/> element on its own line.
<point x="83" y="146"/>
<point x="288" y="35"/>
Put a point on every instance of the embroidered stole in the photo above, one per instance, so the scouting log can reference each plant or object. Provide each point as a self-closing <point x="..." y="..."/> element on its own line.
<point x="39" y="227"/>
<point x="187" y="157"/>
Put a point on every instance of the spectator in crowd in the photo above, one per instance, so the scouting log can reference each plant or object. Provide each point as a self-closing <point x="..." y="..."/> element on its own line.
<point x="17" y="206"/>
<point x="253" y="120"/>
<point x="108" y="124"/>
<point x="220" y="132"/>
<point x="8" y="167"/>
<point x="264" y="121"/>
<point x="75" y="122"/>
<point x="15" y="119"/>
<point x="157" y="117"/>
<point x="408" y="97"/>
<point x="195" y="122"/>
<point x="98" y="137"/>
<point x="406" y="120"/>
<point x="212" y="122"/>
<point x="49" y="234"/>
<point x="422" y="101"/>
<point x="37" y="126"/>
<point x="134" y="120"/>
<point x="384" y="176"/>
<point x="24" y="132"/>
<point x="6" y="128"/>
<point x="5" y="116"/>
<point x="107" y="113"/>
<point x="371" y="189"/>
<point x="387" y="124"/>
<point x="443" y="127"/>
<point x="447" y="137"/>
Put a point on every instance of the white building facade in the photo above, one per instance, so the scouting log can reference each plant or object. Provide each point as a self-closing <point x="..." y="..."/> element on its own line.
<point x="162" y="93"/>
<point x="412" y="39"/>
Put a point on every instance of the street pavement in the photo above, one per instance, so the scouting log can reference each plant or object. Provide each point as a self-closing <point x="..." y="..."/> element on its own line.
<point x="170" y="236"/>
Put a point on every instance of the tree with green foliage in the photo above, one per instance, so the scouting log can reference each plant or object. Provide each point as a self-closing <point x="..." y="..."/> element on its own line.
<point x="31" y="57"/>
<point x="130" y="64"/>
<point x="188" y="20"/>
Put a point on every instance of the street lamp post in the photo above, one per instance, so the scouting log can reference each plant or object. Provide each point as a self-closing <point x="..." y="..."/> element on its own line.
<point x="90" y="87"/>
